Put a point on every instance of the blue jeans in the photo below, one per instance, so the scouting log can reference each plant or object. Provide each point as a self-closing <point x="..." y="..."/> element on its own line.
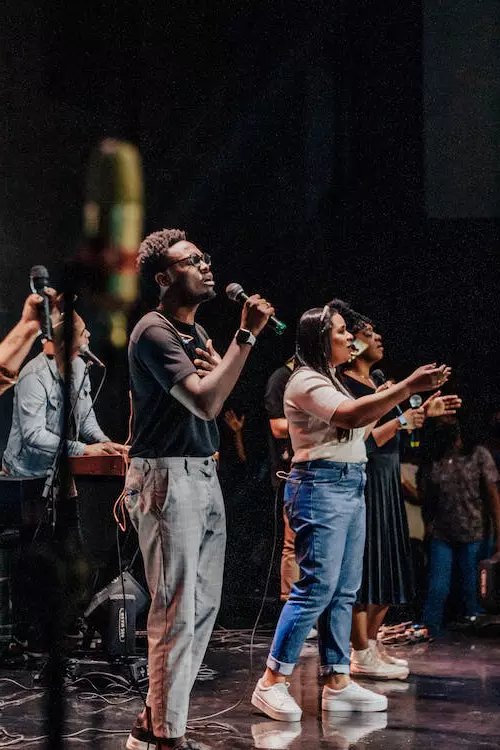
<point x="441" y="557"/>
<point x="325" y="504"/>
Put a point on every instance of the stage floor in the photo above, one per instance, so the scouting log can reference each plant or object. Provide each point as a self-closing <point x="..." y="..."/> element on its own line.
<point x="451" y="700"/>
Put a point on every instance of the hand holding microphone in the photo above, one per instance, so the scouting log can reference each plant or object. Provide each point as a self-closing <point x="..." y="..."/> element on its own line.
<point x="257" y="312"/>
<point x="41" y="297"/>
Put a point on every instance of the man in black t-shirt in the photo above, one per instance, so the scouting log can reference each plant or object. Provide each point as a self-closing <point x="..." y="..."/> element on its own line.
<point x="280" y="450"/>
<point x="179" y="384"/>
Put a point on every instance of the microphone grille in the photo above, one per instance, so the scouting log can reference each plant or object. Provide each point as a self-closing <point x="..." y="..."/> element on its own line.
<point x="233" y="291"/>
<point x="378" y="377"/>
<point x="416" y="401"/>
<point x="39" y="272"/>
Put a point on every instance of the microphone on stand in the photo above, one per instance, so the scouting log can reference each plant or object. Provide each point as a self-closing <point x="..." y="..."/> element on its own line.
<point x="89" y="356"/>
<point x="39" y="282"/>
<point x="235" y="292"/>
<point x="415" y="403"/>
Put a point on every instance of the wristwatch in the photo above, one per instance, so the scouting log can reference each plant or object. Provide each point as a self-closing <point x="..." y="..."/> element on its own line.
<point x="402" y="422"/>
<point x="245" y="337"/>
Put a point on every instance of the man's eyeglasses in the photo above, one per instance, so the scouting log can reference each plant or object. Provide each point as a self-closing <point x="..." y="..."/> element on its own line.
<point x="194" y="260"/>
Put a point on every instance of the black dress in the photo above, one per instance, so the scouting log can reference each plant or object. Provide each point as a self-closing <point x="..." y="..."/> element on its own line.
<point x="387" y="567"/>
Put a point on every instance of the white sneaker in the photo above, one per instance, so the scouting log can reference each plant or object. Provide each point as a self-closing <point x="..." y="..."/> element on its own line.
<point x="385" y="656"/>
<point x="367" y="664"/>
<point x="352" y="698"/>
<point x="276" y="702"/>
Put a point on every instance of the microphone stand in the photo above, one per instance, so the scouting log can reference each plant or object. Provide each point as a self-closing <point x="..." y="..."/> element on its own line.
<point x="48" y="493"/>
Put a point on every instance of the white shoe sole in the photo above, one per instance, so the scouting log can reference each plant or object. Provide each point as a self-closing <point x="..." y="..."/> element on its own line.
<point x="337" y="705"/>
<point x="135" y="744"/>
<point x="273" y="713"/>
<point x="400" y="674"/>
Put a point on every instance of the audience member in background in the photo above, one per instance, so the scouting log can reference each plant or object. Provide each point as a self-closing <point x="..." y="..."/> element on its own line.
<point x="493" y="437"/>
<point x="458" y="484"/>
<point x="387" y="568"/>
<point x="17" y="344"/>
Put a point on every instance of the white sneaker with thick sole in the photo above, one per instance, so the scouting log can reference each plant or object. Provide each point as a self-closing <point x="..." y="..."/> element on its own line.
<point x="366" y="663"/>
<point x="352" y="698"/>
<point x="276" y="702"/>
<point x="385" y="656"/>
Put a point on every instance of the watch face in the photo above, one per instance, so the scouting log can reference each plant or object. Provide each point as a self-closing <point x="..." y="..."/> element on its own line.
<point x="243" y="337"/>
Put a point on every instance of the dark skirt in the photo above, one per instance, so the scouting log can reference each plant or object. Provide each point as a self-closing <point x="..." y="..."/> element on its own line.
<point x="387" y="567"/>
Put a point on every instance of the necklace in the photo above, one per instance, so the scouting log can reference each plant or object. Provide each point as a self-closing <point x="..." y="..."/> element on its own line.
<point x="357" y="375"/>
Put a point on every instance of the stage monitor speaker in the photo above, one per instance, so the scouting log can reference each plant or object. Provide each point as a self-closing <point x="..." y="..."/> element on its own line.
<point x="114" y="615"/>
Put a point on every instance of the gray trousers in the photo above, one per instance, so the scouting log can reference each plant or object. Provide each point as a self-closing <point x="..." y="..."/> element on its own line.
<point x="176" y="505"/>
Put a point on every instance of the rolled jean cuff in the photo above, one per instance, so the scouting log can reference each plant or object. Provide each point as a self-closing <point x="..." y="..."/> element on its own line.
<point x="327" y="669"/>
<point x="279" y="666"/>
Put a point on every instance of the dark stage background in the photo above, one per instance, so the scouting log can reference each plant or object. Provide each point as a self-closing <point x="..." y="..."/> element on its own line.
<point x="292" y="142"/>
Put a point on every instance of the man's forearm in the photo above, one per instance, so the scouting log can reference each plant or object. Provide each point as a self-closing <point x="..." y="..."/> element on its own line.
<point x="17" y="344"/>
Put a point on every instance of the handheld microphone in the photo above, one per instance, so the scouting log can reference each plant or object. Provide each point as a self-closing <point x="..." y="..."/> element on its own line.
<point x="86" y="354"/>
<point x="379" y="378"/>
<point x="415" y="403"/>
<point x="235" y="292"/>
<point x="39" y="281"/>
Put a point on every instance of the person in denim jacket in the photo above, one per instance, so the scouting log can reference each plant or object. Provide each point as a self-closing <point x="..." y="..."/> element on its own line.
<point x="37" y="419"/>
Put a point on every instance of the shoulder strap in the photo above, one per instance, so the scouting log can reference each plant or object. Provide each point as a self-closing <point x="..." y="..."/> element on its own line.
<point x="199" y="329"/>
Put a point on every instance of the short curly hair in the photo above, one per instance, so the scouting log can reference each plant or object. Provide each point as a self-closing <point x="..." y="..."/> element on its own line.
<point x="354" y="320"/>
<point x="152" y="254"/>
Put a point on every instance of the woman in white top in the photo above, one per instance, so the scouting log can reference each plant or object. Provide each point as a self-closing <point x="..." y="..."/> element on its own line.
<point x="324" y="501"/>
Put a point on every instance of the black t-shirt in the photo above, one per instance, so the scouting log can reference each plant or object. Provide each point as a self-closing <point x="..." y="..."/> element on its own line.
<point x="159" y="357"/>
<point x="360" y="389"/>
<point x="280" y="450"/>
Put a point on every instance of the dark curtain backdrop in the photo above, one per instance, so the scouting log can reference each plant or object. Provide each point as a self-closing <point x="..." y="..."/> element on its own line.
<point x="286" y="137"/>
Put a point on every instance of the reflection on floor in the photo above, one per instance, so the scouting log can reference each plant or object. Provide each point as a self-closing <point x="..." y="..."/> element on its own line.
<point x="451" y="700"/>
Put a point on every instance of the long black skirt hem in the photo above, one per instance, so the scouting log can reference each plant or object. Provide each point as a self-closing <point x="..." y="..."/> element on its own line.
<point x="387" y="567"/>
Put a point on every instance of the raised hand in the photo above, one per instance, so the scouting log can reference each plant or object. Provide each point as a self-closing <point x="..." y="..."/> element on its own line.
<point x="233" y="422"/>
<point x="428" y="377"/>
<point x="206" y="360"/>
<point x="439" y="406"/>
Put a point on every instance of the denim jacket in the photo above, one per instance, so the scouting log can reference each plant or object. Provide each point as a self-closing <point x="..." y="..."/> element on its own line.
<point x="37" y="418"/>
